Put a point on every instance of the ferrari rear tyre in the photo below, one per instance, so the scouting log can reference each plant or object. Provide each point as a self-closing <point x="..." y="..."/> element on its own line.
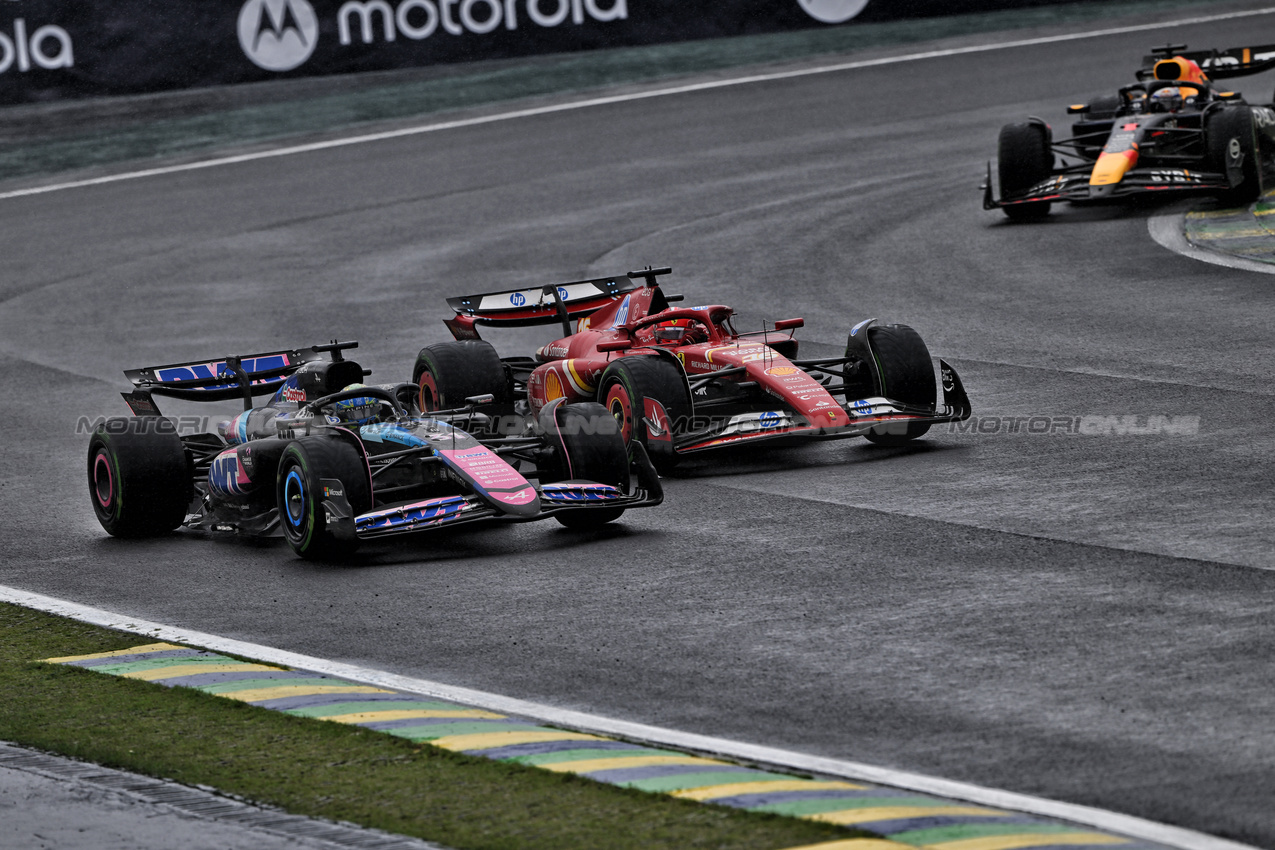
<point x="595" y="451"/>
<point x="907" y="376"/>
<point x="300" y="494"/>
<point x="140" y="479"/>
<point x="447" y="373"/>
<point x="1024" y="159"/>
<point x="1231" y="140"/>
<point x="627" y="385"/>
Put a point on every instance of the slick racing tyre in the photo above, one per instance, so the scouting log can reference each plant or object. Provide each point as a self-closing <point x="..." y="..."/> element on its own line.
<point x="304" y="465"/>
<point x="627" y="386"/>
<point x="447" y="373"/>
<point x="1231" y="140"/>
<point x="594" y="451"/>
<point x="1023" y="159"/>
<point x="907" y="376"/>
<point x="140" y="479"/>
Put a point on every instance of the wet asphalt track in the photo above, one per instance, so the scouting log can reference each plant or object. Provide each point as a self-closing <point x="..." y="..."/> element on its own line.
<point x="1087" y="618"/>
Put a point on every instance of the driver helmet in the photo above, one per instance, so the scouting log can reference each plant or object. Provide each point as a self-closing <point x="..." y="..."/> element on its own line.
<point x="1167" y="99"/>
<point x="359" y="410"/>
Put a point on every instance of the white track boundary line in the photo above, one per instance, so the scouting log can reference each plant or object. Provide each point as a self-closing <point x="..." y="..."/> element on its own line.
<point x="589" y="103"/>
<point x="1167" y="229"/>
<point x="1127" y="825"/>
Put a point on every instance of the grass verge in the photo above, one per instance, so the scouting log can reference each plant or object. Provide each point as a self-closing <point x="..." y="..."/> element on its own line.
<point x="49" y="139"/>
<point x="332" y="770"/>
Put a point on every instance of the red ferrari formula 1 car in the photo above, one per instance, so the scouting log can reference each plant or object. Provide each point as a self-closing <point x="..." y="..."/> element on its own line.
<point x="682" y="379"/>
<point x="1175" y="130"/>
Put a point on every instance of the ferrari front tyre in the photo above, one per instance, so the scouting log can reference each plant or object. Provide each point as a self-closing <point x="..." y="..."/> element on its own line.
<point x="1024" y="159"/>
<point x="140" y="479"/>
<point x="907" y="376"/>
<point x="447" y="373"/>
<point x="625" y="388"/>
<point x="594" y="451"/>
<point x="304" y="465"/>
<point x="1231" y="141"/>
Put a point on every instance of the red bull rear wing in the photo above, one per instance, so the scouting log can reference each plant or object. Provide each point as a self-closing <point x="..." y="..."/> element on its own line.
<point x="1218" y="64"/>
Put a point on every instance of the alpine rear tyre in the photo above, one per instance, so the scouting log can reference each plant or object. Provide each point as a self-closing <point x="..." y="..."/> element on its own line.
<point x="304" y="465"/>
<point x="1024" y="158"/>
<point x="140" y="479"/>
<point x="907" y="376"/>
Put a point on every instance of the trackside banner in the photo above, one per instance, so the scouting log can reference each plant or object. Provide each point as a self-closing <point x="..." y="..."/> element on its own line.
<point x="76" y="48"/>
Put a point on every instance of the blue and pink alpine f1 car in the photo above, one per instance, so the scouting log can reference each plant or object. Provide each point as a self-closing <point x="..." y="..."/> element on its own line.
<point x="331" y="462"/>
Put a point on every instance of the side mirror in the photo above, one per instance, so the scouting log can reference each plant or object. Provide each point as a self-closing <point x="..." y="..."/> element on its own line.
<point x="789" y="324"/>
<point x="615" y="345"/>
<point x="1075" y="108"/>
<point x="486" y="398"/>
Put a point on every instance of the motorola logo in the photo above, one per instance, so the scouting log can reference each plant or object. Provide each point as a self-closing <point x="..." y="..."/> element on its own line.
<point x="833" y="11"/>
<point x="278" y="35"/>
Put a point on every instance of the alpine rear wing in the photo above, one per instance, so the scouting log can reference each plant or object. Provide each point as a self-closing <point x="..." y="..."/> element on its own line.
<point x="231" y="377"/>
<point x="1217" y="64"/>
<point x="560" y="302"/>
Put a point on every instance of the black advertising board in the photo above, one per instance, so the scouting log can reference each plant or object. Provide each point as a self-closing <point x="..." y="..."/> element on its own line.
<point x="57" y="49"/>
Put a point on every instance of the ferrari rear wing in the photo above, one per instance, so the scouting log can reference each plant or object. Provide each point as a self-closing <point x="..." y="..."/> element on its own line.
<point x="231" y="377"/>
<point x="1218" y="64"/>
<point x="544" y="305"/>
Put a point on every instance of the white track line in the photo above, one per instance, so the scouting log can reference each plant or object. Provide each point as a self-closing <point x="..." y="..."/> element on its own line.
<point x="1168" y="230"/>
<point x="621" y="98"/>
<point x="1127" y="825"/>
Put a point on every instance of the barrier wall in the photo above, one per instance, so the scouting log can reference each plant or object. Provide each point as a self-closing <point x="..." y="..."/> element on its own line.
<point x="58" y="49"/>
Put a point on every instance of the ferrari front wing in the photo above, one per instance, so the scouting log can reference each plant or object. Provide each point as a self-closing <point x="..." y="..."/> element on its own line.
<point x="865" y="414"/>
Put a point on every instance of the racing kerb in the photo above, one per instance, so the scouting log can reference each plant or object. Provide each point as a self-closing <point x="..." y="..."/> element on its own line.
<point x="906" y="810"/>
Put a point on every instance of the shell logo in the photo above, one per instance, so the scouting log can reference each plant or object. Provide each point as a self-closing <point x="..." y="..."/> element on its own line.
<point x="783" y="371"/>
<point x="553" y="387"/>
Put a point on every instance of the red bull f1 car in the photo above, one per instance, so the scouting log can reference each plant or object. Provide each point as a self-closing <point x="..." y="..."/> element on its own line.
<point x="331" y="462"/>
<point x="682" y="380"/>
<point x="1175" y="130"/>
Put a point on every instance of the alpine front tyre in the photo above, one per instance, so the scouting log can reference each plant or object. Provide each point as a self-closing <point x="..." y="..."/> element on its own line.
<point x="140" y="478"/>
<point x="1024" y="158"/>
<point x="300" y="492"/>
<point x="907" y="376"/>
<point x="592" y="450"/>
